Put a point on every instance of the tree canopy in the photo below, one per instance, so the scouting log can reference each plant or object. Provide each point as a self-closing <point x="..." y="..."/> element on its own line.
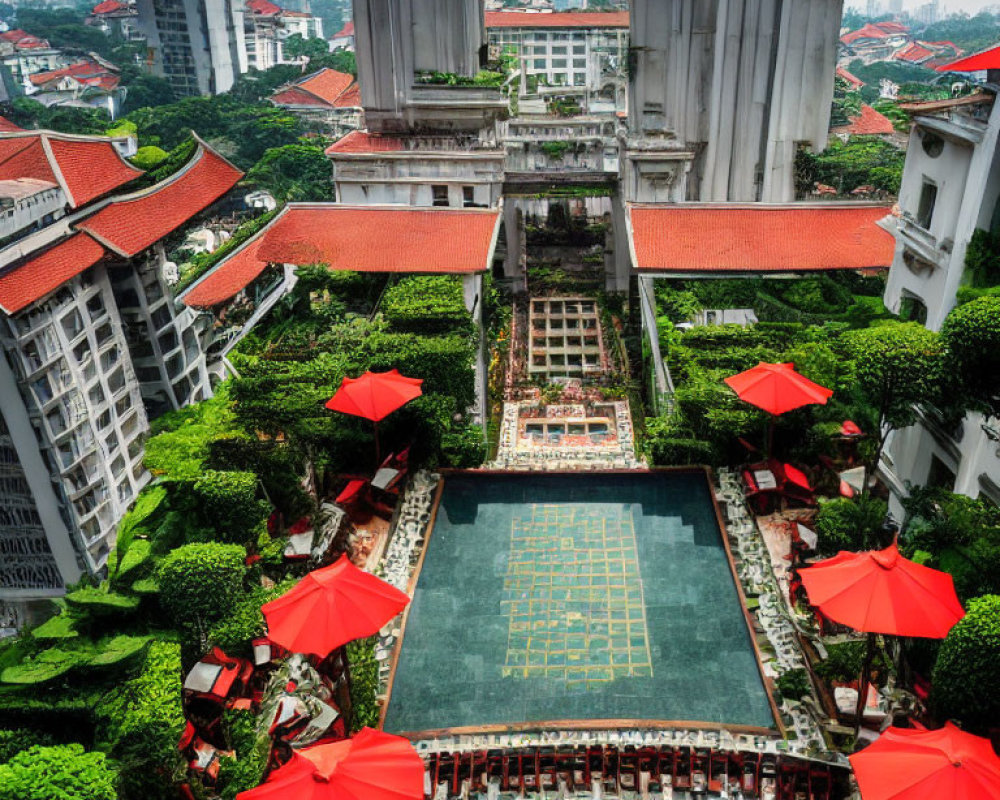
<point x="294" y="172"/>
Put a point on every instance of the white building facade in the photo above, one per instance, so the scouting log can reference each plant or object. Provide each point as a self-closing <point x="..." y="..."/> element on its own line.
<point x="950" y="188"/>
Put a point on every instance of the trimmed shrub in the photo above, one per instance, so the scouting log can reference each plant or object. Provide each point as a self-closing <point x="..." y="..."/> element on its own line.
<point x="426" y="304"/>
<point x="246" y="770"/>
<point x="966" y="678"/>
<point x="228" y="504"/>
<point x="139" y="723"/>
<point x="793" y="684"/>
<point x="61" y="772"/>
<point x="201" y="583"/>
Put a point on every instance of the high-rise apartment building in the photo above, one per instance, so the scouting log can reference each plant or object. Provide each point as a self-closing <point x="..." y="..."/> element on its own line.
<point x="197" y="45"/>
<point x="92" y="345"/>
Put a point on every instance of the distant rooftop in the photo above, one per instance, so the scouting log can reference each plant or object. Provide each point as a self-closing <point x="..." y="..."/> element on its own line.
<point x="868" y="123"/>
<point x="559" y="19"/>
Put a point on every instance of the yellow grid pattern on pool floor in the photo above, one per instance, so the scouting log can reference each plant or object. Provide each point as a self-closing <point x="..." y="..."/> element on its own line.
<point x="573" y="597"/>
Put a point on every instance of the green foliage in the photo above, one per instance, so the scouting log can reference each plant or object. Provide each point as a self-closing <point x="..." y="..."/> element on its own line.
<point x="850" y="524"/>
<point x="297" y="46"/>
<point x="100" y="601"/>
<point x="464" y="448"/>
<point x="149" y="502"/>
<point x="971" y="33"/>
<point x="116" y="651"/>
<point x="982" y="258"/>
<point x="861" y="161"/>
<point x="843" y="662"/>
<point x="483" y="78"/>
<point x="29" y="114"/>
<point x="966" y="678"/>
<point x="956" y="534"/>
<point x="61" y="626"/>
<point x="666" y="448"/>
<point x="246" y="770"/>
<point x="294" y="172"/>
<point x="245" y="622"/>
<point x="227" y="502"/>
<point x="43" y="667"/>
<point x="181" y="439"/>
<point x="60" y="772"/>
<point x="364" y="683"/>
<point x="794" y="684"/>
<point x="203" y="262"/>
<point x="146" y="91"/>
<point x="149" y="157"/>
<point x="555" y="150"/>
<point x="17" y="740"/>
<point x="201" y="583"/>
<point x="971" y="339"/>
<point x="139" y="723"/>
<point x="426" y="304"/>
<point x="898" y="366"/>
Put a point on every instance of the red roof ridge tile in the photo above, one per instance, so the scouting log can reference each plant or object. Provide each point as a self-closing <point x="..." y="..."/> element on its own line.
<point x="127" y="236"/>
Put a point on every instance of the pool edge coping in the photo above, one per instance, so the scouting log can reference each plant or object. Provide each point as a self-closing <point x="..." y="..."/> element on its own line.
<point x="583" y="724"/>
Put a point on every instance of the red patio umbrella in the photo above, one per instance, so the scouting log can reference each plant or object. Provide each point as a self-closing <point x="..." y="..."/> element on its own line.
<point x="371" y="765"/>
<point x="374" y="396"/>
<point x="987" y="59"/>
<point x="330" y="607"/>
<point x="881" y="592"/>
<point x="776" y="388"/>
<point x="911" y="764"/>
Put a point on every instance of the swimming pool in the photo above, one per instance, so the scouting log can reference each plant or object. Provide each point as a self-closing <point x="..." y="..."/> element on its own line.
<point x="576" y="597"/>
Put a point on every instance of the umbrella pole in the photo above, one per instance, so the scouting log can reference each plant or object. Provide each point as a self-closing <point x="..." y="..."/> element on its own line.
<point x="866" y="672"/>
<point x="378" y="449"/>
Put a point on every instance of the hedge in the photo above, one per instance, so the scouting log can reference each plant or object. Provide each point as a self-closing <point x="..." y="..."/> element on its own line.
<point x="60" y="772"/>
<point x="966" y="678"/>
<point x="140" y="722"/>
<point x="426" y="304"/>
<point x="201" y="583"/>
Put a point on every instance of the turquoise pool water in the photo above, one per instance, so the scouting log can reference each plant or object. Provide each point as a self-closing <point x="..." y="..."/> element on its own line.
<point x="557" y="597"/>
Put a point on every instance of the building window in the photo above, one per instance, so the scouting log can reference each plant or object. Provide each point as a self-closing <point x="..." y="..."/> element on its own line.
<point x="559" y="51"/>
<point x="579" y="49"/>
<point x="925" y="211"/>
<point x="932" y="144"/>
<point x="580" y="63"/>
<point x="912" y="309"/>
<point x="439" y="195"/>
<point x="559" y="63"/>
<point x="580" y="79"/>
<point x="469" y="196"/>
<point x="538" y="63"/>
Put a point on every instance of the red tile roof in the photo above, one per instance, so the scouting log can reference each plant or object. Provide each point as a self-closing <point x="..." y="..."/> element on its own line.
<point x="22" y="39"/>
<point x="914" y="52"/>
<point x="6" y="126"/>
<point x="109" y="7"/>
<point x="364" y="142"/>
<point x="263" y="8"/>
<point x="731" y="238"/>
<point x="86" y="73"/>
<point x="561" y="19"/>
<point x="31" y="280"/>
<point x="347" y="30"/>
<point x="296" y="96"/>
<point x="229" y="277"/>
<point x="867" y="31"/>
<point x="856" y="82"/>
<point x="892" y="27"/>
<point x="327" y="87"/>
<point x="130" y="225"/>
<point x="987" y="59"/>
<point x="85" y="167"/>
<point x="382" y="238"/>
<point x="869" y="123"/>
